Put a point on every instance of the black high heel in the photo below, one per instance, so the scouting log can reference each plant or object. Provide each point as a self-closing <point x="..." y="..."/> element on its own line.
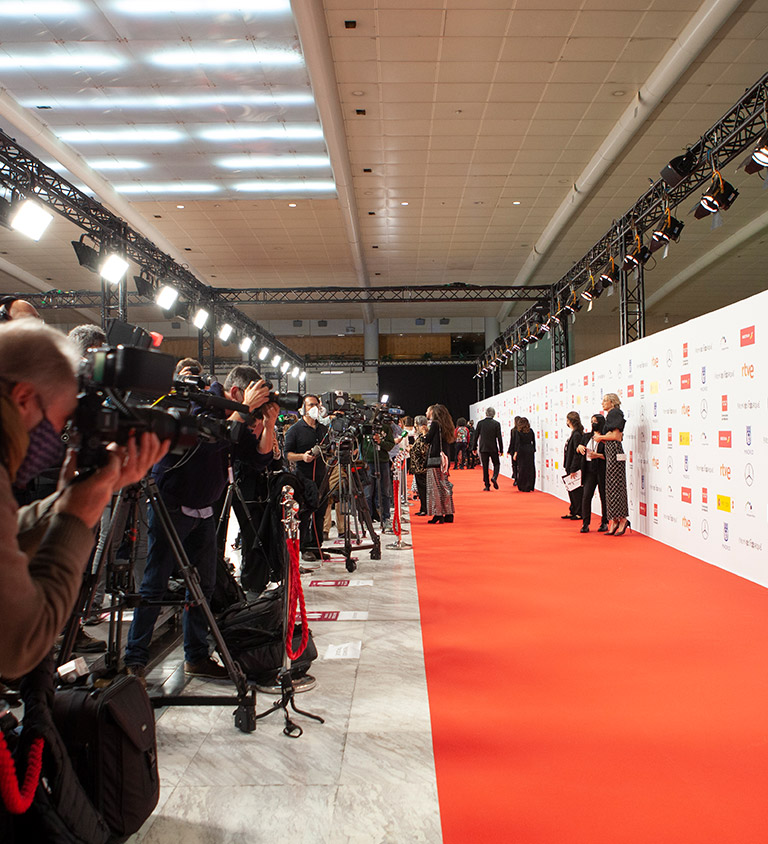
<point x="436" y="520"/>
<point x="448" y="519"/>
<point x="610" y="532"/>
<point x="624" y="529"/>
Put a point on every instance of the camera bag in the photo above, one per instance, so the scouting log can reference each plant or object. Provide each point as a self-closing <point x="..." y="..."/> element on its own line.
<point x="253" y="634"/>
<point x="109" y="734"/>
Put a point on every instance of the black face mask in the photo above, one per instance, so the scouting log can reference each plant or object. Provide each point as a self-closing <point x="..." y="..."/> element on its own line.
<point x="596" y="427"/>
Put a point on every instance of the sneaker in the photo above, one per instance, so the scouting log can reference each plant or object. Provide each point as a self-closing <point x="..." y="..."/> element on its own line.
<point x="97" y="618"/>
<point x="208" y="669"/>
<point x="86" y="644"/>
<point x="309" y="556"/>
<point x="138" y="671"/>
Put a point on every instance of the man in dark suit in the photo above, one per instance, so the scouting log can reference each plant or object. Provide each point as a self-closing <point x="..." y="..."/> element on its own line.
<point x="488" y="442"/>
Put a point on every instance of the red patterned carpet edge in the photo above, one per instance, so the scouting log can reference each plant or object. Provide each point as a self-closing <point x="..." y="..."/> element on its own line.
<point x="587" y="689"/>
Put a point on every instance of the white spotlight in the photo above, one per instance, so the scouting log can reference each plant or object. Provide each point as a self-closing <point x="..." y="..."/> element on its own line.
<point x="284" y="367"/>
<point x="30" y="219"/>
<point x="225" y="332"/>
<point x="302" y="376"/>
<point x="245" y="344"/>
<point x="201" y="317"/>
<point x="275" y="360"/>
<point x="166" y="297"/>
<point x="264" y="353"/>
<point x="385" y="398"/>
<point x="113" y="268"/>
<point x="295" y="372"/>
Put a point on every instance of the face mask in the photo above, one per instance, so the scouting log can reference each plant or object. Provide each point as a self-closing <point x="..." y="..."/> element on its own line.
<point x="314" y="412"/>
<point x="595" y="427"/>
<point x="45" y="451"/>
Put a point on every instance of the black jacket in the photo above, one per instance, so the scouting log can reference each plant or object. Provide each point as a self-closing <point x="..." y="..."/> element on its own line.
<point x="572" y="458"/>
<point x="488" y="436"/>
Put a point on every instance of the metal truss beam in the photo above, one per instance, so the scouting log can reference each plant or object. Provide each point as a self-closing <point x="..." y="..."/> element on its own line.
<point x="632" y="305"/>
<point x="735" y="133"/>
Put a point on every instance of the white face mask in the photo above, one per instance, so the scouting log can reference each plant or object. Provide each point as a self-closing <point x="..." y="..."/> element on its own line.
<point x="314" y="412"/>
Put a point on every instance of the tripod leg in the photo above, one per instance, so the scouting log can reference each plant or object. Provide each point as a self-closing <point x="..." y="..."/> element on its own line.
<point x="362" y="508"/>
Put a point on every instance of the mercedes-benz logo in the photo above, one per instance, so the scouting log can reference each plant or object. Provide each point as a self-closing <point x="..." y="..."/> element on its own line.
<point x="704" y="409"/>
<point x="749" y="474"/>
<point x="705" y="529"/>
<point x="670" y="465"/>
<point x="669" y="357"/>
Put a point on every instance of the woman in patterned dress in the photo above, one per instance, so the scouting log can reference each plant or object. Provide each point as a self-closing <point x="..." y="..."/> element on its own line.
<point x="439" y="488"/>
<point x="615" y="466"/>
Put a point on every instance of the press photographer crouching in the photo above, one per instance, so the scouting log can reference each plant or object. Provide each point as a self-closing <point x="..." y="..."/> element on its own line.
<point x="191" y="484"/>
<point x="45" y="546"/>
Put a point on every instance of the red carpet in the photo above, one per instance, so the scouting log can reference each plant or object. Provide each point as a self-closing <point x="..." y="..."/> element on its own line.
<point x="588" y="689"/>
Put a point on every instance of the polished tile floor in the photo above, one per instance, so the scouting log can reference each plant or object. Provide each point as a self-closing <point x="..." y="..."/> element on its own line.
<point x="365" y="776"/>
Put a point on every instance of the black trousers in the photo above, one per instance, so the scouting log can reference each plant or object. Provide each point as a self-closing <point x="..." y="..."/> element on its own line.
<point x="421" y="488"/>
<point x="493" y="456"/>
<point x="576" y="496"/>
<point x="592" y="480"/>
<point x="311" y="518"/>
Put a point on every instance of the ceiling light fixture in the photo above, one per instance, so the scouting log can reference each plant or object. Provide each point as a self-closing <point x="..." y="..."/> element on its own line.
<point x="295" y="372"/>
<point x="670" y="229"/>
<point x="167" y="297"/>
<point x="245" y="344"/>
<point x="232" y="57"/>
<point x="201" y="317"/>
<point x="225" y="332"/>
<point x="302" y="376"/>
<point x="720" y="196"/>
<point x="275" y="360"/>
<point x="264" y="353"/>
<point x="30" y="219"/>
<point x="285" y="366"/>
<point x="678" y="169"/>
<point x="113" y="268"/>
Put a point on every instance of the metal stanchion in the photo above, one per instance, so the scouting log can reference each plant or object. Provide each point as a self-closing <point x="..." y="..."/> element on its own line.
<point x="399" y="545"/>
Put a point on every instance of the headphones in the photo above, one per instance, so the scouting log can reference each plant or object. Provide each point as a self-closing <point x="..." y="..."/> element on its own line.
<point x="5" y="307"/>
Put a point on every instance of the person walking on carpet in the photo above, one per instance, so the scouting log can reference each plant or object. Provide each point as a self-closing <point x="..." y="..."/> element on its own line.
<point x="439" y="488"/>
<point x="525" y="443"/>
<point x="489" y="443"/>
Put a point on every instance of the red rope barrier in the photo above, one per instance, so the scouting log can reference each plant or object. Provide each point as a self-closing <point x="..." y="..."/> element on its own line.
<point x="18" y="801"/>
<point x="295" y="595"/>
<point x="396" y="526"/>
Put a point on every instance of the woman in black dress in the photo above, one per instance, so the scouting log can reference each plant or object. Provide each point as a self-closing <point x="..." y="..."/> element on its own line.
<point x="439" y="488"/>
<point x="593" y="474"/>
<point x="572" y="462"/>
<point x="526" y="448"/>
<point x="615" y="466"/>
<point x="513" y="449"/>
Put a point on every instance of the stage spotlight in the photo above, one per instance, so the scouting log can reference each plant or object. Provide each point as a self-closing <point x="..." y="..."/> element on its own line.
<point x="295" y="372"/>
<point x="201" y="317"/>
<point x="245" y="344"/>
<point x="144" y="286"/>
<point x="87" y="256"/>
<point x="285" y="366"/>
<point x="167" y="297"/>
<point x="678" y="168"/>
<point x="757" y="160"/>
<point x="113" y="268"/>
<point x="720" y="196"/>
<point x="632" y="260"/>
<point x="516" y="346"/>
<point x="179" y="311"/>
<point x="670" y="229"/>
<point x="302" y="376"/>
<point x="225" y="332"/>
<point x="30" y="219"/>
<point x="385" y="398"/>
<point x="275" y="361"/>
<point x="587" y="294"/>
<point x="264" y="353"/>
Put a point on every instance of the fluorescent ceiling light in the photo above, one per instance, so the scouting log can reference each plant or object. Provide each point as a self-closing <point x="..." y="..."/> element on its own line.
<point x="200" y="7"/>
<point x="295" y="372"/>
<point x="40" y="8"/>
<point x="113" y="268"/>
<point x="225" y="58"/>
<point x="31" y="219"/>
<point x="225" y="332"/>
<point x="167" y="187"/>
<point x="168" y="101"/>
<point x="166" y="297"/>
<point x="316" y="186"/>
<point x="273" y="162"/>
<point x="60" y="61"/>
<point x="276" y="131"/>
<point x="201" y="317"/>
<point x="331" y="372"/>
<point x="275" y="360"/>
<point x="245" y="344"/>
<point x="284" y="368"/>
<point x="302" y="375"/>
<point x="108" y="136"/>
<point x="116" y="164"/>
<point x="264" y="353"/>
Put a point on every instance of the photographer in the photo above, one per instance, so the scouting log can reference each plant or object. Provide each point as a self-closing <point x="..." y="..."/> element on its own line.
<point x="190" y="485"/>
<point x="302" y="448"/>
<point x="46" y="545"/>
<point x="375" y="450"/>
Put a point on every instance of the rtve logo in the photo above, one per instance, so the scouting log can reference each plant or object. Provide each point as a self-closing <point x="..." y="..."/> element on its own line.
<point x="725" y="471"/>
<point x="685" y="381"/>
<point x="686" y="523"/>
<point x="655" y="463"/>
<point x="724" y="439"/>
<point x="747" y="337"/>
<point x="724" y="404"/>
<point x="748" y="370"/>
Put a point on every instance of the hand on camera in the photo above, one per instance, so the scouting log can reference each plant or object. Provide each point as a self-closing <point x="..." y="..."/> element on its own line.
<point x="308" y="457"/>
<point x="256" y="394"/>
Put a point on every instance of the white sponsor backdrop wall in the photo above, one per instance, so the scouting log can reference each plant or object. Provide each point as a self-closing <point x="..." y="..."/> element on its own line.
<point x="695" y="398"/>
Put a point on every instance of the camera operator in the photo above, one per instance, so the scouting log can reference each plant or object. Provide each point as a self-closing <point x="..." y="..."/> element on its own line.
<point x="44" y="547"/>
<point x="302" y="448"/>
<point x="375" y="450"/>
<point x="190" y="485"/>
<point x="12" y="308"/>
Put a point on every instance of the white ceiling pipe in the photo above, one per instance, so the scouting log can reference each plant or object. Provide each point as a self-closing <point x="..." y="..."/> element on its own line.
<point x="39" y="132"/>
<point x="697" y="34"/>
<point x="316" y="46"/>
<point x="720" y="251"/>
<point x="26" y="277"/>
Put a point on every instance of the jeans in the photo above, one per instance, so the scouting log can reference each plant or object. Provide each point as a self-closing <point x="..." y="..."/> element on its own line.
<point x="198" y="536"/>
<point x="493" y="456"/>
<point x="371" y="490"/>
<point x="460" y="456"/>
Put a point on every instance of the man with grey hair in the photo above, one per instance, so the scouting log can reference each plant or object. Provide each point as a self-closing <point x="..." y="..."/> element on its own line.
<point x="44" y="547"/>
<point x="488" y="442"/>
<point x="87" y="336"/>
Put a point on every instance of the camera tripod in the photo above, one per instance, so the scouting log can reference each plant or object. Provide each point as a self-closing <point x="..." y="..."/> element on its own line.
<point x="125" y="508"/>
<point x="352" y="505"/>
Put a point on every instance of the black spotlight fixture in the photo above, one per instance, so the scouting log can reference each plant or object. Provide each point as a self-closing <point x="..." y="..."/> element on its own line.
<point x="669" y="229"/>
<point x="638" y="257"/>
<point x="758" y="160"/>
<point x="610" y="275"/>
<point x="144" y="285"/>
<point x="720" y="196"/>
<point x="678" y="169"/>
<point x="87" y="256"/>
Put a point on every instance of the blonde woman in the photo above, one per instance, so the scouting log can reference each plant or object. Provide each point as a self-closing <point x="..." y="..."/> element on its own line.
<point x="615" y="466"/>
